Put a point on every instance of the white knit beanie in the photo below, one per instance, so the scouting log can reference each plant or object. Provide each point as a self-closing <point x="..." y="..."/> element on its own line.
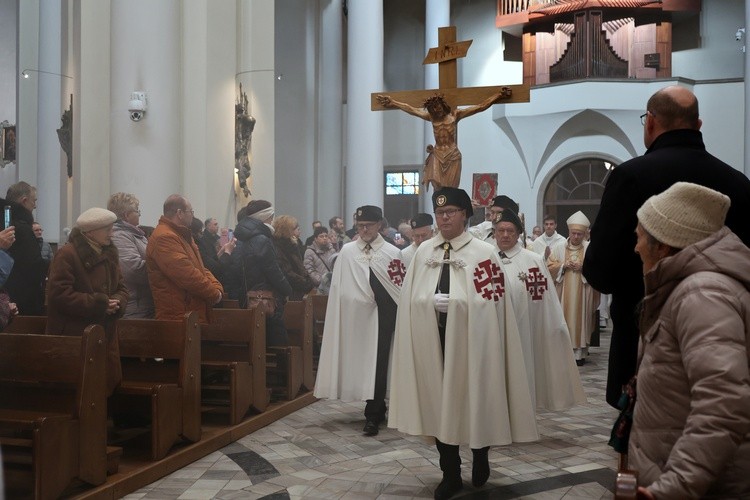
<point x="95" y="218"/>
<point x="684" y="214"/>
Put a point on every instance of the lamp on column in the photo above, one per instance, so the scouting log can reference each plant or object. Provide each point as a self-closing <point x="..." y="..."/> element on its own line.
<point x="27" y="73"/>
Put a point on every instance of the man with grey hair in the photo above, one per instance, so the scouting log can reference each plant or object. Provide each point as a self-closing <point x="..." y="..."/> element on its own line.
<point x="25" y="284"/>
<point x="179" y="281"/>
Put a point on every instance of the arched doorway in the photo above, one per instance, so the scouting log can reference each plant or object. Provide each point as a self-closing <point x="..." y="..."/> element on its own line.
<point x="576" y="186"/>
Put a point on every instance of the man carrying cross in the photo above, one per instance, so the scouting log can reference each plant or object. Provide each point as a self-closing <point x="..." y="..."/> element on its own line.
<point x="443" y="164"/>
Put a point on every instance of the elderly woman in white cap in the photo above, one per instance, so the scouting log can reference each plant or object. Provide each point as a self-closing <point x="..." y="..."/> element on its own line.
<point x="85" y="285"/>
<point x="691" y="427"/>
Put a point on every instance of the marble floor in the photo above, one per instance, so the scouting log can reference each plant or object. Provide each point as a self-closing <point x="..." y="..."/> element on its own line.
<point x="320" y="452"/>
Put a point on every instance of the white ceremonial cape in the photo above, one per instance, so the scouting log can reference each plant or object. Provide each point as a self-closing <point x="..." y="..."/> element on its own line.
<point x="346" y="369"/>
<point x="578" y="300"/>
<point x="551" y="368"/>
<point x="479" y="394"/>
<point x="483" y="231"/>
<point x="407" y="254"/>
<point x="542" y="242"/>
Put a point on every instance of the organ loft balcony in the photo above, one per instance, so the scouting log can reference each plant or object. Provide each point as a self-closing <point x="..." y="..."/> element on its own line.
<point x="563" y="40"/>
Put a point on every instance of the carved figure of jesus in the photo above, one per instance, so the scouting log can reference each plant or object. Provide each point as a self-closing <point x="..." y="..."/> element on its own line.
<point x="443" y="164"/>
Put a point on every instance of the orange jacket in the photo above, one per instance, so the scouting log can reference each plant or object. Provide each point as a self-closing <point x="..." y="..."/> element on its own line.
<point x="179" y="281"/>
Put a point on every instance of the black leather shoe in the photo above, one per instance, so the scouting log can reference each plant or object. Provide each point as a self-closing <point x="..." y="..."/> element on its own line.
<point x="581" y="362"/>
<point x="448" y="487"/>
<point x="480" y="471"/>
<point x="371" y="428"/>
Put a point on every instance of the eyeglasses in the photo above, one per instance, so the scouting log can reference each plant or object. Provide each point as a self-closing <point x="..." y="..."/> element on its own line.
<point x="448" y="212"/>
<point x="361" y="226"/>
<point x="644" y="115"/>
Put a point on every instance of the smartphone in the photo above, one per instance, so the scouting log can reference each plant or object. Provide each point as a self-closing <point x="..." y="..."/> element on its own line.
<point x="230" y="235"/>
<point x="7" y="216"/>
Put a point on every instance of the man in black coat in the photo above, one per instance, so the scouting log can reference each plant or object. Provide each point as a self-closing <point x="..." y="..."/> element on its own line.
<point x="675" y="152"/>
<point x="25" y="284"/>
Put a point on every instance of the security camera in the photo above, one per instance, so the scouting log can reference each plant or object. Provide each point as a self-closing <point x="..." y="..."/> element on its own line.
<point x="137" y="106"/>
<point x="740" y="33"/>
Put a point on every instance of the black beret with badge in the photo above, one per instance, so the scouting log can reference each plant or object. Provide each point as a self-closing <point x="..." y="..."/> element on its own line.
<point x="452" y="196"/>
<point x="504" y="202"/>
<point x="421" y="220"/>
<point x="369" y="213"/>
<point x="508" y="215"/>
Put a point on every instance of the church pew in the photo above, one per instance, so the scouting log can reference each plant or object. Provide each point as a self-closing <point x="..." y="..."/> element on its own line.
<point x="319" y="306"/>
<point x="53" y="413"/>
<point x="161" y="378"/>
<point x="290" y="367"/>
<point x="233" y="367"/>
<point x="27" y="324"/>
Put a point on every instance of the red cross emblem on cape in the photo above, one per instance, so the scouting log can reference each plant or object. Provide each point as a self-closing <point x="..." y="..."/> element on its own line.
<point x="489" y="280"/>
<point x="536" y="283"/>
<point x="396" y="272"/>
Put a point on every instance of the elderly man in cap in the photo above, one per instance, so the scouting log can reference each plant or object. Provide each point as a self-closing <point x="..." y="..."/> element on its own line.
<point x="86" y="286"/>
<point x="691" y="424"/>
<point x="421" y="231"/>
<point x="360" y="319"/>
<point x="484" y="230"/>
<point x="553" y="377"/>
<point x="579" y="301"/>
<point x="458" y="367"/>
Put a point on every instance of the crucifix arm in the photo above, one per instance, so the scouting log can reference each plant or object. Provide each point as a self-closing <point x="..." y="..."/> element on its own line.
<point x="472" y="110"/>
<point x="389" y="102"/>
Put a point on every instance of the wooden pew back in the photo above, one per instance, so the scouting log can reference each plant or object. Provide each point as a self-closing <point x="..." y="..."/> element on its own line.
<point x="239" y="335"/>
<point x="298" y="322"/>
<point x="48" y="378"/>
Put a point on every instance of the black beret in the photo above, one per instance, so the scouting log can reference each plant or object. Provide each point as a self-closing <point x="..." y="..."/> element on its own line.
<point x="369" y="213"/>
<point x="421" y="220"/>
<point x="452" y="196"/>
<point x="504" y="202"/>
<point x="508" y="215"/>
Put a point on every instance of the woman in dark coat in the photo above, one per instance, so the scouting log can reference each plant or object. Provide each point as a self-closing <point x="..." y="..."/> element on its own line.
<point x="86" y="287"/>
<point x="260" y="265"/>
<point x="290" y="260"/>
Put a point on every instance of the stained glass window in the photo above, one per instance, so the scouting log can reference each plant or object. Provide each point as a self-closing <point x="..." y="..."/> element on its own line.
<point x="401" y="183"/>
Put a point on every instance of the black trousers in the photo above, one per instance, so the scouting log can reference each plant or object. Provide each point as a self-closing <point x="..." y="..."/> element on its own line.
<point x="375" y="408"/>
<point x="450" y="461"/>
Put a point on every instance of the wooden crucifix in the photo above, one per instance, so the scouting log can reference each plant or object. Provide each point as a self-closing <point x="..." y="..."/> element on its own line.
<point x="441" y="107"/>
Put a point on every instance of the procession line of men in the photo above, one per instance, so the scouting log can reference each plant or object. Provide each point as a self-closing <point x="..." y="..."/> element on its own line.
<point x="468" y="366"/>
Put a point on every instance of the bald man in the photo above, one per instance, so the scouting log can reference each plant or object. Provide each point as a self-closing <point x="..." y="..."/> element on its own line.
<point x="675" y="152"/>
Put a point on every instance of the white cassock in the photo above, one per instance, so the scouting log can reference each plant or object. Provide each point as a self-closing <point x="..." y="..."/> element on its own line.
<point x="479" y="393"/>
<point x="542" y="242"/>
<point x="346" y="369"/>
<point x="407" y="254"/>
<point x="578" y="300"/>
<point x="550" y="366"/>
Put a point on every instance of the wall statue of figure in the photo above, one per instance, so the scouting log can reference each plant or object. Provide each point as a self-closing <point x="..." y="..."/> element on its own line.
<point x="65" y="135"/>
<point x="243" y="131"/>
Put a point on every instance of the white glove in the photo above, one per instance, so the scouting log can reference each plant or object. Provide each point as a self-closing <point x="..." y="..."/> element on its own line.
<point x="441" y="302"/>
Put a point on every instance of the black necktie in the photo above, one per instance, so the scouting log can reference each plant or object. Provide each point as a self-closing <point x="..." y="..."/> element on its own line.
<point x="445" y="272"/>
<point x="367" y="249"/>
<point x="503" y="256"/>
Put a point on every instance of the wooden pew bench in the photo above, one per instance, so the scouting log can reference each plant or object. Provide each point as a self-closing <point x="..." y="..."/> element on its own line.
<point x="161" y="378"/>
<point x="290" y="367"/>
<point x="319" y="306"/>
<point x="233" y="369"/>
<point x="53" y="411"/>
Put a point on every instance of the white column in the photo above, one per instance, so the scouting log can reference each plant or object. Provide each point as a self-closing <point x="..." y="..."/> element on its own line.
<point x="256" y="73"/>
<point x="146" y="155"/>
<point x="364" y="156"/>
<point x="50" y="158"/>
<point x="329" y="181"/>
<point x="747" y="88"/>
<point x="437" y="15"/>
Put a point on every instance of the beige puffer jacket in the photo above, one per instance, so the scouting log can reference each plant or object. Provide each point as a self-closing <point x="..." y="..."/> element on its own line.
<point x="690" y="436"/>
